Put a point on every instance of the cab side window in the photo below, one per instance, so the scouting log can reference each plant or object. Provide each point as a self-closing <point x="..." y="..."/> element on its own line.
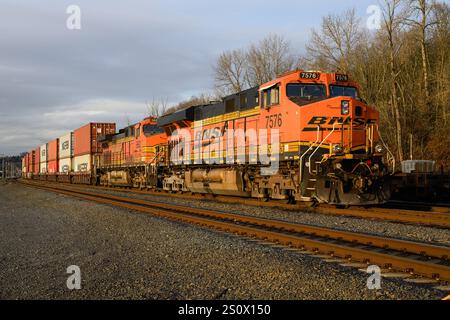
<point x="270" y="97"/>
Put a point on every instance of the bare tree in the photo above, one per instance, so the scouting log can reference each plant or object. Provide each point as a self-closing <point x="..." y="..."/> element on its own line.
<point x="240" y="69"/>
<point x="441" y="59"/>
<point x="421" y="11"/>
<point x="156" y="107"/>
<point x="331" y="47"/>
<point x="269" y="58"/>
<point x="230" y="71"/>
<point x="392" y="23"/>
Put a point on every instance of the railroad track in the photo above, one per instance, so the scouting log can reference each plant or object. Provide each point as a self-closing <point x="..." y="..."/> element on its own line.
<point x="435" y="217"/>
<point x="409" y="257"/>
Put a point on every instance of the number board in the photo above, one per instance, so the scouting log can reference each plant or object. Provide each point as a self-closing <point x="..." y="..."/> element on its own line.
<point x="310" y="75"/>
<point x="341" y="77"/>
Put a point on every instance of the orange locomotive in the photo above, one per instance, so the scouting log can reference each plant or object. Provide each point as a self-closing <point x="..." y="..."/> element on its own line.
<point x="316" y="140"/>
<point x="130" y="157"/>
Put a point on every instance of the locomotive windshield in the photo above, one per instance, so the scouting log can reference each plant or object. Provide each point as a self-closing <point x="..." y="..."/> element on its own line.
<point x="336" y="91"/>
<point x="305" y="90"/>
<point x="305" y="93"/>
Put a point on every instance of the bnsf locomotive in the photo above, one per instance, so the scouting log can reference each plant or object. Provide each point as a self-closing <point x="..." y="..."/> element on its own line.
<point x="305" y="136"/>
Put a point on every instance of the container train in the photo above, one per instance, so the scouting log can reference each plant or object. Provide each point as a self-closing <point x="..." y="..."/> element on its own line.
<point x="304" y="136"/>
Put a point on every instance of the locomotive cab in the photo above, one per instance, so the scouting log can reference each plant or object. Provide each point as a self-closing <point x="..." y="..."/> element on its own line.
<point x="340" y="153"/>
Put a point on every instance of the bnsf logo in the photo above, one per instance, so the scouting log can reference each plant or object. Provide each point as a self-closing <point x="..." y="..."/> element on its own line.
<point x="65" y="168"/>
<point x="209" y="134"/>
<point x="330" y="121"/>
<point x="65" y="145"/>
<point x="82" y="167"/>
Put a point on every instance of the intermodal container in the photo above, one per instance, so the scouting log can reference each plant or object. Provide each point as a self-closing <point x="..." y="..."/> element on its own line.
<point x="82" y="163"/>
<point x="37" y="163"/>
<point x="27" y="160"/>
<point x="24" y="165"/>
<point x="65" y="165"/>
<point x="30" y="160"/>
<point x="43" y="167"/>
<point x="85" y="139"/>
<point x="43" y="158"/>
<point x="52" y="150"/>
<point x="43" y="154"/>
<point x="52" y="166"/>
<point x="66" y="146"/>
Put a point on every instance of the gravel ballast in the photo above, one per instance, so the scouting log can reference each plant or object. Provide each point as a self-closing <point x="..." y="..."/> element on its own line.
<point x="375" y="227"/>
<point x="129" y="255"/>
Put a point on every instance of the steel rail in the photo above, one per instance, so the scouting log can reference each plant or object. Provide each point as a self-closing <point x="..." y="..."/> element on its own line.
<point x="349" y="245"/>
<point x="438" y="219"/>
<point x="400" y="245"/>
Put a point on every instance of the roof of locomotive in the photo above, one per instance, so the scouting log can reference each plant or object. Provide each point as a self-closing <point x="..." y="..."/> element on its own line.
<point x="240" y="101"/>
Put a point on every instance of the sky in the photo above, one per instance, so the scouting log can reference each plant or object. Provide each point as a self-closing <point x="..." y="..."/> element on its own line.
<point x="54" y="79"/>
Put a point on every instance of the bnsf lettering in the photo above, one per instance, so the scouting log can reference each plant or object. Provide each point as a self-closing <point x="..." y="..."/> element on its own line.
<point x="318" y="120"/>
<point x="209" y="134"/>
<point x="357" y="122"/>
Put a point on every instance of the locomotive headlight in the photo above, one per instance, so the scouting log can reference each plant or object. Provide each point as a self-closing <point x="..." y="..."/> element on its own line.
<point x="379" y="148"/>
<point x="345" y="106"/>
<point x="337" y="148"/>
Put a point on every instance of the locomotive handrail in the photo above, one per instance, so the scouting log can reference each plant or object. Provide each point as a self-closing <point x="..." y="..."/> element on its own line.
<point x="304" y="154"/>
<point x="369" y="137"/>
<point x="320" y="144"/>
<point x="387" y="149"/>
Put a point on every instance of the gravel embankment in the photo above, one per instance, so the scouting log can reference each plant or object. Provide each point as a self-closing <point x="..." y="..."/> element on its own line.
<point x="381" y="228"/>
<point x="123" y="255"/>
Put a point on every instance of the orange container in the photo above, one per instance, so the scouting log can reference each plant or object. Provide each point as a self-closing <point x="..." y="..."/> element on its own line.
<point x="52" y="150"/>
<point x="86" y="137"/>
<point x="29" y="160"/>
<point x="36" y="167"/>
<point x="52" y="166"/>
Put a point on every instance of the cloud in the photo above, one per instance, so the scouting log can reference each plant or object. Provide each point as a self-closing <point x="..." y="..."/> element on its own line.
<point x="53" y="79"/>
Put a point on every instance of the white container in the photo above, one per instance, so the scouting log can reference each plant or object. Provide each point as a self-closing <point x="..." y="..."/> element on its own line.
<point x="82" y="163"/>
<point x="43" y="167"/>
<point x="43" y="155"/>
<point x="66" y="146"/>
<point x="418" y="166"/>
<point x="65" y="165"/>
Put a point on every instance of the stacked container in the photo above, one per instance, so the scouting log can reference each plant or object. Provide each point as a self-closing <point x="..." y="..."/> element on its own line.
<point x="24" y="165"/>
<point x="86" y="144"/>
<point x="37" y="163"/>
<point x="52" y="156"/>
<point x="65" y="153"/>
<point x="43" y="158"/>
<point x="30" y="160"/>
